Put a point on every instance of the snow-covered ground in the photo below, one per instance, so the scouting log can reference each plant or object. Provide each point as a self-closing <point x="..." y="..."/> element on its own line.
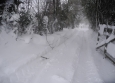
<point x="73" y="58"/>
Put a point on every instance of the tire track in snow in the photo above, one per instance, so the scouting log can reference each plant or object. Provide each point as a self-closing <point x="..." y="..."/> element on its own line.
<point x="47" y="70"/>
<point x="85" y="69"/>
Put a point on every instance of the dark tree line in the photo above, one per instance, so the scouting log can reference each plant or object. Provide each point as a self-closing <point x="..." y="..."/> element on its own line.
<point x="99" y="11"/>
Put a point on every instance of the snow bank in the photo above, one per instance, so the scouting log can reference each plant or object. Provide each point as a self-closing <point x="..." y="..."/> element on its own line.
<point x="15" y="54"/>
<point x="25" y="38"/>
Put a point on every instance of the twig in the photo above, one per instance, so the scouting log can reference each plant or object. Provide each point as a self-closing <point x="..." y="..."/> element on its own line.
<point x="48" y="42"/>
<point x="44" y="57"/>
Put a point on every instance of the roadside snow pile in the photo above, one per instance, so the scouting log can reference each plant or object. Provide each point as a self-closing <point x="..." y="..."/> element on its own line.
<point x="15" y="54"/>
<point x="6" y="38"/>
<point x="54" y="40"/>
<point x="25" y="38"/>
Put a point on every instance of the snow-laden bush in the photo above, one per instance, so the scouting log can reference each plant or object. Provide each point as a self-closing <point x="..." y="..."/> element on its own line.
<point x="18" y="22"/>
<point x="9" y="21"/>
<point x="9" y="18"/>
<point x="24" y="21"/>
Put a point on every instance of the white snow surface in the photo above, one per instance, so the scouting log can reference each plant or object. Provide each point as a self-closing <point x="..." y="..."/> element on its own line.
<point x="73" y="58"/>
<point x="111" y="49"/>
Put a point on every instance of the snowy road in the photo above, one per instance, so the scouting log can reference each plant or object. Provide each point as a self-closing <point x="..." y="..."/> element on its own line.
<point x="86" y="71"/>
<point x="70" y="62"/>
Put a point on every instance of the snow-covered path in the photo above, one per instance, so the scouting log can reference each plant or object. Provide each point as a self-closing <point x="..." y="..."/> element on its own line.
<point x="86" y="71"/>
<point x="71" y="61"/>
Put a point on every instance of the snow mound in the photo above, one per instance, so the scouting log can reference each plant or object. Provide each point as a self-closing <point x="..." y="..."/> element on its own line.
<point x="26" y="38"/>
<point x="58" y="79"/>
<point x="39" y="40"/>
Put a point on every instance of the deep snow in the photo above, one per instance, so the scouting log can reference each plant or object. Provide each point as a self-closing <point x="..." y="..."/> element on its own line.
<point x="73" y="58"/>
